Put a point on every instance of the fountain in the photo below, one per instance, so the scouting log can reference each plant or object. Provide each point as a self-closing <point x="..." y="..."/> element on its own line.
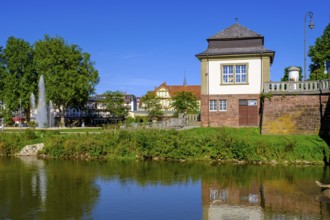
<point x="41" y="116"/>
<point x="51" y="114"/>
<point x="33" y="102"/>
<point x="33" y="107"/>
<point x="40" y="113"/>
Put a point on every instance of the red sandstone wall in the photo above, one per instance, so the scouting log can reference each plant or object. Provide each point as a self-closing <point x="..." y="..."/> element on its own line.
<point x="229" y="118"/>
<point x="293" y="114"/>
<point x="283" y="114"/>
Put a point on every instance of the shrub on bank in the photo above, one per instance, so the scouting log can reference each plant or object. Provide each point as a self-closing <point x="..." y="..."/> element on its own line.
<point x="195" y="144"/>
<point x="12" y="143"/>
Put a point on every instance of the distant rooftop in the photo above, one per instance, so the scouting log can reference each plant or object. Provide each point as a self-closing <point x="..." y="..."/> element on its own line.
<point x="173" y="89"/>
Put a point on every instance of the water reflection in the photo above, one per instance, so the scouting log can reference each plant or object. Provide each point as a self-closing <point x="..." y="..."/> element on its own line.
<point x="36" y="189"/>
<point x="272" y="193"/>
<point x="38" y="177"/>
<point x="42" y="189"/>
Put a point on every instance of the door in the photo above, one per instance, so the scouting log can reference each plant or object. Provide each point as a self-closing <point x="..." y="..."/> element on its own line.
<point x="248" y="112"/>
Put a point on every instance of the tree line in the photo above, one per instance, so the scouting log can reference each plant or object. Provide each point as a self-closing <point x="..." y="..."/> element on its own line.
<point x="70" y="79"/>
<point x="182" y="102"/>
<point x="69" y="73"/>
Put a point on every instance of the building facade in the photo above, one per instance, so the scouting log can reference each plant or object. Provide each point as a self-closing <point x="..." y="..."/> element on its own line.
<point x="95" y="112"/>
<point x="233" y="69"/>
<point x="165" y="93"/>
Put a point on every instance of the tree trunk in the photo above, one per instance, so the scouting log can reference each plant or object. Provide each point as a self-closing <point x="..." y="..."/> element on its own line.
<point x="27" y="114"/>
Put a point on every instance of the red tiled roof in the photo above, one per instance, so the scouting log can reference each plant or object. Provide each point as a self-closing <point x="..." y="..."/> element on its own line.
<point x="194" y="89"/>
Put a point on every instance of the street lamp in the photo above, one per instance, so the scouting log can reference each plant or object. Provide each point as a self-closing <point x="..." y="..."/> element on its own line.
<point x="20" y="115"/>
<point x="311" y="26"/>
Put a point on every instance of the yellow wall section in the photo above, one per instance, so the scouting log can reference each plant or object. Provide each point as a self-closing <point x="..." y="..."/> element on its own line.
<point x="265" y="69"/>
<point x="204" y="83"/>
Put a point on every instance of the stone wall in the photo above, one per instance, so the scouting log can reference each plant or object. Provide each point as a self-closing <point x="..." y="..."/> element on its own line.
<point x="294" y="114"/>
<point x="229" y="118"/>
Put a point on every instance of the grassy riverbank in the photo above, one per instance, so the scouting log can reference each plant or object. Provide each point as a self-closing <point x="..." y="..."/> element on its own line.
<point x="216" y="144"/>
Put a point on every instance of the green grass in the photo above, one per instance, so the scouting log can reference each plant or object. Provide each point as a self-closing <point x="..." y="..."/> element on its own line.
<point x="267" y="147"/>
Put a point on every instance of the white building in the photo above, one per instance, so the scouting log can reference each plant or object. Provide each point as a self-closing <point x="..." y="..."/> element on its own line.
<point x="233" y="69"/>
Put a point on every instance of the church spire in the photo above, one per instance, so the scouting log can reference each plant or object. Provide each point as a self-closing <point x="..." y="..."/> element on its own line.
<point x="184" y="79"/>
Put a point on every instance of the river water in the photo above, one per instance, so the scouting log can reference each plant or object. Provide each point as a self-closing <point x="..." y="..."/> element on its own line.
<point x="59" y="189"/>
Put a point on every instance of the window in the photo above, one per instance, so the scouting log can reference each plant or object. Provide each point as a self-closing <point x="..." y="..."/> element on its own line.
<point x="213" y="105"/>
<point x="162" y="93"/>
<point x="223" y="105"/>
<point x="240" y="74"/>
<point x="228" y="74"/>
<point x="234" y="74"/>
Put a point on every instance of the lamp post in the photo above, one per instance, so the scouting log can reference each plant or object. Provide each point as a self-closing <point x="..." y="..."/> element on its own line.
<point x="20" y="115"/>
<point x="311" y="26"/>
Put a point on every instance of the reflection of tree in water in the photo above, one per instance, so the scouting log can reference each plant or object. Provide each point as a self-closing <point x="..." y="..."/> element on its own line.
<point x="16" y="194"/>
<point x="70" y="191"/>
<point x="148" y="172"/>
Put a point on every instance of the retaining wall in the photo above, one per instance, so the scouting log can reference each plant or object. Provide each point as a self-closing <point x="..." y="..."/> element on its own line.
<point x="296" y="114"/>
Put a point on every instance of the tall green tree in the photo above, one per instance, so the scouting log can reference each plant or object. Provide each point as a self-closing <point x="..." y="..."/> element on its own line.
<point x="2" y="73"/>
<point x="19" y="78"/>
<point x="185" y="102"/>
<point x="319" y="54"/>
<point x="70" y="75"/>
<point x="152" y="106"/>
<point x="286" y="74"/>
<point x="115" y="103"/>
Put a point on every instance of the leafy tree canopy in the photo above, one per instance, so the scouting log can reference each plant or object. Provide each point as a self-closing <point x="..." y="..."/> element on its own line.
<point x="185" y="102"/>
<point x="69" y="73"/>
<point x="18" y="75"/>
<point x="319" y="54"/>
<point x="151" y="104"/>
<point x="115" y="103"/>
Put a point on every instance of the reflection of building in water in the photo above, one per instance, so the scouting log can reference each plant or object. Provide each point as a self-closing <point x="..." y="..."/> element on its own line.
<point x="270" y="200"/>
<point x="222" y="202"/>
<point x="235" y="212"/>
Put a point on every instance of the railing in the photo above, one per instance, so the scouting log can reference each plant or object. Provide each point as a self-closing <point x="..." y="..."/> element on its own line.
<point x="298" y="87"/>
<point x="192" y="117"/>
<point x="175" y="123"/>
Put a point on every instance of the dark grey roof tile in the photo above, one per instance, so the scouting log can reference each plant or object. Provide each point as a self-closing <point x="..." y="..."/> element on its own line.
<point x="235" y="31"/>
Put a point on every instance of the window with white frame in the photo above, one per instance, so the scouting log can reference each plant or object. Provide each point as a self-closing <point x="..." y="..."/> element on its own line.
<point x="228" y="74"/>
<point x="240" y="75"/>
<point x="234" y="73"/>
<point x="223" y="105"/>
<point x="213" y="105"/>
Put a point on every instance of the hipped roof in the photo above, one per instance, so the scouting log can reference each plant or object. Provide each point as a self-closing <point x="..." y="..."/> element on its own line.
<point x="235" y="31"/>
<point x="242" y="41"/>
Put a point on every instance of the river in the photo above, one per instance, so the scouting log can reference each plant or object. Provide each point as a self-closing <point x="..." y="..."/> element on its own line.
<point x="58" y="189"/>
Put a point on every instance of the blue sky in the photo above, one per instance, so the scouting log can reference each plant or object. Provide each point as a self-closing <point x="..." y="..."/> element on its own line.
<point x="138" y="44"/>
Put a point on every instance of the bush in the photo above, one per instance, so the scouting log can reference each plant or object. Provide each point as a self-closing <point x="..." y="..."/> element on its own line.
<point x="202" y="143"/>
<point x="30" y="134"/>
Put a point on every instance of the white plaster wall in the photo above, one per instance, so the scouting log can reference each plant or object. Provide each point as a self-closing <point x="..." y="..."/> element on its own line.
<point x="254" y="77"/>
